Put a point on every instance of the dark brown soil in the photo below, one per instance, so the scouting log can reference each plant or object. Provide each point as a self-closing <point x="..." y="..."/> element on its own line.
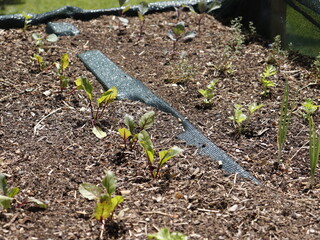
<point x="47" y="148"/>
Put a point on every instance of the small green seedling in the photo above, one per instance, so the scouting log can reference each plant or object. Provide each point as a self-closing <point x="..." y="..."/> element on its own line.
<point x="239" y="38"/>
<point x="308" y="108"/>
<point x="27" y="20"/>
<point x="178" y="33"/>
<point x="314" y="149"/>
<point x="130" y="134"/>
<point x="269" y="71"/>
<point x="143" y="8"/>
<point x="203" y="8"/>
<point x="122" y="20"/>
<point x="106" y="204"/>
<point x="7" y="196"/>
<point x="39" y="43"/>
<point x="107" y="97"/>
<point x="208" y="93"/>
<point x="164" y="234"/>
<point x="241" y="119"/>
<point x="61" y="67"/>
<point x="39" y="60"/>
<point x="164" y="156"/>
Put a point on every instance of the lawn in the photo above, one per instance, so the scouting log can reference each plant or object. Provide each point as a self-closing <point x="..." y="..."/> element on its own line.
<point x="39" y="6"/>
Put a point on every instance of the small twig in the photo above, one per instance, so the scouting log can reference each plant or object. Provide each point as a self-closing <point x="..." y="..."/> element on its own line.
<point x="11" y="221"/>
<point x="157" y="212"/>
<point x="38" y="123"/>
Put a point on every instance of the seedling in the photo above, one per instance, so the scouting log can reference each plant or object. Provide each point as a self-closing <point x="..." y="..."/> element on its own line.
<point x="164" y="234"/>
<point x="121" y="19"/>
<point x="269" y="71"/>
<point x="164" y="156"/>
<point x="308" y="108"/>
<point x="7" y="196"/>
<point x="178" y="33"/>
<point x="61" y="67"/>
<point x="314" y="149"/>
<point x="316" y="67"/>
<point x="239" y="38"/>
<point x="130" y="134"/>
<point x="284" y="121"/>
<point x="203" y="8"/>
<point x="242" y="120"/>
<point x="106" y="204"/>
<point x="208" y="93"/>
<point x="143" y="8"/>
<point x="107" y="97"/>
<point x="39" y="43"/>
<point x="27" y="21"/>
<point x="39" y="60"/>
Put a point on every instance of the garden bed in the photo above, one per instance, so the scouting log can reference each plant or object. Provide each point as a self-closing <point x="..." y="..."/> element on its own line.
<point x="48" y="149"/>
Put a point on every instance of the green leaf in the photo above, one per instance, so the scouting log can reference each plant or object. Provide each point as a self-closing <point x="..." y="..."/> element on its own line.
<point x="253" y="107"/>
<point x="143" y="8"/>
<point x="98" y="132"/>
<point x="213" y="6"/>
<point x="124" y="133"/>
<point x="108" y="96"/>
<point x="146" y="120"/>
<point x="146" y="143"/>
<point x="189" y="35"/>
<point x="109" y="182"/>
<point x="203" y="92"/>
<point x="164" y="234"/>
<point x="128" y="121"/>
<point x="171" y="35"/>
<point x="13" y="191"/>
<point x="168" y="154"/>
<point x="3" y="184"/>
<point x="64" y="81"/>
<point x="5" y="201"/>
<point x="38" y="202"/>
<point x="52" y="38"/>
<point x="26" y="15"/>
<point x="82" y="83"/>
<point x="65" y="61"/>
<point x="125" y="9"/>
<point x="104" y="209"/>
<point x="38" y="58"/>
<point x="202" y="6"/>
<point x="36" y="36"/>
<point x="90" y="191"/>
<point x="179" y="29"/>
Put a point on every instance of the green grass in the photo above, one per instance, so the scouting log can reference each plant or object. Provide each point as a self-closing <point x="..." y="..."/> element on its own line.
<point x="40" y="6"/>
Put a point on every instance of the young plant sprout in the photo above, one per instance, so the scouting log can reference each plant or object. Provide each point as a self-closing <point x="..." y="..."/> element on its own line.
<point x="130" y="134"/>
<point x="308" y="108"/>
<point x="122" y="20"/>
<point x="284" y="121"/>
<point x="106" y="204"/>
<point x="242" y="120"/>
<point x="314" y="149"/>
<point x="178" y="33"/>
<point x="269" y="71"/>
<point x="7" y="196"/>
<point x="61" y="67"/>
<point x="143" y="8"/>
<point x="164" y="234"/>
<point x="27" y="20"/>
<point x="39" y="60"/>
<point x="203" y="8"/>
<point x="39" y="43"/>
<point x="208" y="93"/>
<point x="107" y="97"/>
<point x="164" y="156"/>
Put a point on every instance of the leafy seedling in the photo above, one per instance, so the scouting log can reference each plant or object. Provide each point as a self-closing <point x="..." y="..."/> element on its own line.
<point x="143" y="8"/>
<point x="39" y="42"/>
<point x="130" y="134"/>
<point x="269" y="71"/>
<point x="7" y="196"/>
<point x="106" y="204"/>
<point x="27" y="21"/>
<point x="203" y="8"/>
<point x="242" y="120"/>
<point x="178" y="33"/>
<point x="208" y="93"/>
<point x="164" y="156"/>
<point x="164" y="234"/>
<point x="239" y="38"/>
<point x="308" y="108"/>
<point x="122" y="20"/>
<point x="39" y="60"/>
<point x="61" y="67"/>
<point x="106" y="98"/>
